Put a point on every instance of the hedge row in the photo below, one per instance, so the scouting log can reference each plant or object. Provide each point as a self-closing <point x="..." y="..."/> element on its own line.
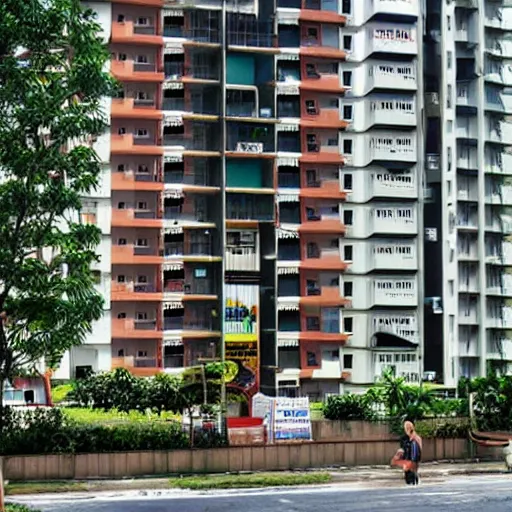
<point x="43" y="431"/>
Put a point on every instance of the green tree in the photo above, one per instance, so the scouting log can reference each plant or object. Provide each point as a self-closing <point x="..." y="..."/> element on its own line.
<point x="52" y="80"/>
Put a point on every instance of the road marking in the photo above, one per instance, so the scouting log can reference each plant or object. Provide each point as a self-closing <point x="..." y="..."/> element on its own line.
<point x="285" y="501"/>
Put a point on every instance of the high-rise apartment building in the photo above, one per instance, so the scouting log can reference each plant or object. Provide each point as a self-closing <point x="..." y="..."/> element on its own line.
<point x="468" y="314"/>
<point x="262" y="197"/>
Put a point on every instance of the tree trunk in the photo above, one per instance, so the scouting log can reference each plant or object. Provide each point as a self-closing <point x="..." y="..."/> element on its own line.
<point x="205" y="386"/>
<point x="191" y="429"/>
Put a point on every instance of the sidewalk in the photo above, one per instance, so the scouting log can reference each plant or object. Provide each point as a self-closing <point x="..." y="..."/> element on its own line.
<point x="427" y="471"/>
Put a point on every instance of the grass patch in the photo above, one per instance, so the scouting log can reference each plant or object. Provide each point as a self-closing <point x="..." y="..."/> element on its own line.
<point x="17" y="488"/>
<point x="60" y="393"/>
<point x="246" y="481"/>
<point x="91" y="416"/>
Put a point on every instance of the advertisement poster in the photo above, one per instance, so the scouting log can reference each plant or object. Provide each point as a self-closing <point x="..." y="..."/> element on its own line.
<point x="290" y="420"/>
<point x="241" y="333"/>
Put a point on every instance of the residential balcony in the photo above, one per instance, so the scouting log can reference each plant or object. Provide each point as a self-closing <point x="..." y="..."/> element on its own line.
<point x="202" y="142"/>
<point x="384" y="75"/>
<point x="250" y="140"/>
<point x="190" y="288"/>
<point x="249" y="207"/>
<point x="134" y="218"/>
<point x="127" y="32"/>
<point x="311" y="11"/>
<point x="318" y="257"/>
<point x="322" y="118"/>
<point x="196" y="178"/>
<point x="135" y="255"/>
<point x="138" y="292"/>
<point x="132" y="108"/>
<point x="321" y="147"/>
<point x="189" y="250"/>
<point x="247" y="31"/>
<point x="323" y="296"/>
<point x="205" y="102"/>
<point x="394" y="7"/>
<point x="128" y="144"/>
<point x="403" y="326"/>
<point x="313" y="46"/>
<point x="135" y="181"/>
<point x="394" y="292"/>
<point x="138" y="329"/>
<point x="192" y="209"/>
<point x="467" y="94"/>
<point x="323" y="185"/>
<point x="193" y="327"/>
<point x="131" y="71"/>
<point x="242" y="258"/>
<point x="321" y="220"/>
<point x="137" y="366"/>
<point x="320" y="331"/>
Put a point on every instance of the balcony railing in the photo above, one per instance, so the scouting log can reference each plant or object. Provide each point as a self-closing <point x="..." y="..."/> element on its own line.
<point x="179" y="177"/>
<point x="144" y="251"/>
<point x="246" y="144"/>
<point x="173" y="361"/>
<point x="288" y="146"/>
<point x="144" y="67"/>
<point x="174" y="69"/>
<point x="145" y="325"/>
<point x="258" y="39"/>
<point x="242" y="258"/>
<point x="174" y="104"/>
<point x="241" y="109"/>
<point x="249" y="207"/>
<point x="144" y="214"/>
<point x="179" y="323"/>
<point x="193" y="144"/>
<point x="193" y="287"/>
<point x="188" y="248"/>
<point x="288" y="180"/>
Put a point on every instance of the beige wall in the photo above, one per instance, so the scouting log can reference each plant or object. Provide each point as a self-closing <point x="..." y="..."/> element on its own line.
<point x="233" y="459"/>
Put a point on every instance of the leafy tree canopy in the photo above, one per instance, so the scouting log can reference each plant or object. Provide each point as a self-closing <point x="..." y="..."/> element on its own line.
<point x="52" y="81"/>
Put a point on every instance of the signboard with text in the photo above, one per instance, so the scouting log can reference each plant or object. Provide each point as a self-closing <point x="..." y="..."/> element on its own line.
<point x="290" y="420"/>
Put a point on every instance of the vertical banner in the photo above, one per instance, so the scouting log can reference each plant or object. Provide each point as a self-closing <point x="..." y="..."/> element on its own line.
<point x="241" y="334"/>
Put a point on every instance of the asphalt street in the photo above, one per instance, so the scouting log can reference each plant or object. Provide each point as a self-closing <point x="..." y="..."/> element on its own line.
<point x="467" y="494"/>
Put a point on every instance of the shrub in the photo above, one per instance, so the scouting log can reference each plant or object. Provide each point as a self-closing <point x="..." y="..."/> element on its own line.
<point x="41" y="431"/>
<point x="60" y="393"/>
<point x="18" y="508"/>
<point x="348" y="407"/>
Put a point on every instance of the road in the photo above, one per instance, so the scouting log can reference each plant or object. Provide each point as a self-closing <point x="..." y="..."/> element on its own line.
<point x="467" y="494"/>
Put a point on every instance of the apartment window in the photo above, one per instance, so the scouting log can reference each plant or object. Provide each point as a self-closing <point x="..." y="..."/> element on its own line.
<point x="348" y="287"/>
<point x="448" y="23"/>
<point x="348" y="217"/>
<point x="121" y="131"/>
<point x="449" y="158"/>
<point x="348" y="112"/>
<point x="121" y="316"/>
<point x="122" y="56"/>
<point x="451" y="287"/>
<point x="141" y="315"/>
<point x="121" y="205"/>
<point x="449" y="96"/>
<point x="143" y="21"/>
<point x="142" y="133"/>
<point x="121" y="241"/>
<point x="142" y="59"/>
<point x="120" y="168"/>
<point x="449" y="58"/>
<point x="120" y="18"/>
<point x="347" y="43"/>
<point x="335" y="242"/>
<point x="121" y="279"/>
<point x="347" y="78"/>
<point x="142" y="242"/>
<point x="142" y="205"/>
<point x="311" y="359"/>
<point x="142" y="353"/>
<point x="332" y="142"/>
<point x="348" y="252"/>
<point x="348" y="324"/>
<point x="347" y="181"/>
<point x="348" y="361"/>
<point x="347" y="146"/>
<point x="311" y="71"/>
<point x="346" y="6"/>
<point x="142" y="279"/>
<point x="311" y="107"/>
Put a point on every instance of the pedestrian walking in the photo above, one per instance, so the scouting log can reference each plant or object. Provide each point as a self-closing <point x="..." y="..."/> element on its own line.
<point x="408" y="456"/>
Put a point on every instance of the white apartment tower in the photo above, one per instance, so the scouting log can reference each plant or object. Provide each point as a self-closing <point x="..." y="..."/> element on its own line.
<point x="468" y="311"/>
